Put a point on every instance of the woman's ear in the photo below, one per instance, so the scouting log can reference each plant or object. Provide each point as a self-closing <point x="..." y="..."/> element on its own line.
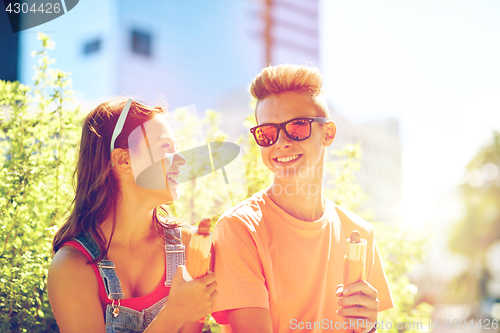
<point x="121" y="160"/>
<point x="331" y="132"/>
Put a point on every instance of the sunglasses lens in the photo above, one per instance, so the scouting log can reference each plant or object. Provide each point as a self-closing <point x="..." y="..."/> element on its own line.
<point x="298" y="129"/>
<point x="266" y="135"/>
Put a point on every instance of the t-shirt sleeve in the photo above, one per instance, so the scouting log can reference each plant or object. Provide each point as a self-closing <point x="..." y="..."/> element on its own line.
<point x="376" y="277"/>
<point x="238" y="268"/>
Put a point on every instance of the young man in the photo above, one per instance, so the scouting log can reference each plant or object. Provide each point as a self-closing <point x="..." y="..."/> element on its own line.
<point x="279" y="255"/>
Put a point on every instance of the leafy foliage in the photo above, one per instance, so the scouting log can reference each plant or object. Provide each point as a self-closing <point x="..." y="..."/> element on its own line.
<point x="479" y="228"/>
<point x="341" y="185"/>
<point x="37" y="140"/>
<point x="207" y="195"/>
<point x="401" y="251"/>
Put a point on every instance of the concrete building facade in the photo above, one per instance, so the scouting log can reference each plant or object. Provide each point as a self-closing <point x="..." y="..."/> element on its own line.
<point x="203" y="53"/>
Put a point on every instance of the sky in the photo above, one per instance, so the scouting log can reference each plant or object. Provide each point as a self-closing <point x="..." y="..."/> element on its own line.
<point x="432" y="64"/>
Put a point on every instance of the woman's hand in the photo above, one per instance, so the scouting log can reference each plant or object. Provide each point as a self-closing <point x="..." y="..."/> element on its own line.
<point x="359" y="301"/>
<point x="191" y="300"/>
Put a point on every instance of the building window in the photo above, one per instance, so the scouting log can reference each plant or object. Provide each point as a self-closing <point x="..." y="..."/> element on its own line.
<point x="92" y="46"/>
<point x="141" y="43"/>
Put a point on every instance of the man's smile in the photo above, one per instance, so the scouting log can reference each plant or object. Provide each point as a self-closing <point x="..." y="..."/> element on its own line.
<point x="287" y="158"/>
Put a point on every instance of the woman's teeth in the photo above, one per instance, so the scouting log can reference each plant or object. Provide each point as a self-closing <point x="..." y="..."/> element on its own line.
<point x="172" y="177"/>
<point x="288" y="158"/>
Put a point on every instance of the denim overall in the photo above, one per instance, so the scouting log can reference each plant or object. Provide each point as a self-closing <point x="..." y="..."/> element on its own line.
<point x="120" y="318"/>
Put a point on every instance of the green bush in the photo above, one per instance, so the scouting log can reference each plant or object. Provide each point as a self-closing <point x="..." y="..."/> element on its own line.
<point x="401" y="251"/>
<point x="38" y="140"/>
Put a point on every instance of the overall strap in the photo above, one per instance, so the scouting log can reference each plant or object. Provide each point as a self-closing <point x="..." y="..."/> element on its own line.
<point x="175" y="252"/>
<point x="106" y="267"/>
<point x="111" y="281"/>
<point x="89" y="244"/>
<point x="112" y="284"/>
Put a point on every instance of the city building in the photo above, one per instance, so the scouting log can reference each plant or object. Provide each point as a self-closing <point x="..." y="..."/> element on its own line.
<point x="181" y="52"/>
<point x="206" y="54"/>
<point x="9" y="49"/>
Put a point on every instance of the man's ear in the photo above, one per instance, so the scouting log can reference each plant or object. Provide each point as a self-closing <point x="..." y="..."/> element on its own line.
<point x="331" y="132"/>
<point x="121" y="160"/>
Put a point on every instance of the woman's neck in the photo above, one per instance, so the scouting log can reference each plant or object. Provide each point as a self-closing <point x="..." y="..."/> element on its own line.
<point x="134" y="223"/>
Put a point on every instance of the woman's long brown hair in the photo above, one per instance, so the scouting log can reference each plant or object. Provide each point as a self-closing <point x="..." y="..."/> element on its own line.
<point x="97" y="188"/>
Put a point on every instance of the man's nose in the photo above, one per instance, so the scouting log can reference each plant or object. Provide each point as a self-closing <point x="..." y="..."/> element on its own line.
<point x="283" y="141"/>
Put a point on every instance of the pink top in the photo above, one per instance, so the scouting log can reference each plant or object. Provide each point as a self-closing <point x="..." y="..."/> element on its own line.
<point x="135" y="303"/>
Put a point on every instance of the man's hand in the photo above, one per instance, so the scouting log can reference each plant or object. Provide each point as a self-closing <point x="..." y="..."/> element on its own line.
<point x="358" y="301"/>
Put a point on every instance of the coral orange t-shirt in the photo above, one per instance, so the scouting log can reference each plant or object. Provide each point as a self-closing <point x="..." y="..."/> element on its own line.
<point x="268" y="259"/>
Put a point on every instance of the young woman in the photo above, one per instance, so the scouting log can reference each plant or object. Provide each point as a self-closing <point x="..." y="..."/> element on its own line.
<point x="115" y="267"/>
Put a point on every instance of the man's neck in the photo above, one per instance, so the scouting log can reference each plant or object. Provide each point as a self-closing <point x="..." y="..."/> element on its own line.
<point x="300" y="198"/>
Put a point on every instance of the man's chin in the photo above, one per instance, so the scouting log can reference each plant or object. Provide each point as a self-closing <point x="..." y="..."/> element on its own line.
<point x="286" y="175"/>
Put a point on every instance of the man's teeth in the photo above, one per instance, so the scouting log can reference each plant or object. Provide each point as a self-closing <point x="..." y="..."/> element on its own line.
<point x="288" y="158"/>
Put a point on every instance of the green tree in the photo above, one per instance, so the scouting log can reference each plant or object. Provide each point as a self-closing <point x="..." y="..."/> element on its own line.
<point x="479" y="228"/>
<point x="198" y="199"/>
<point x="38" y="140"/>
<point x="401" y="251"/>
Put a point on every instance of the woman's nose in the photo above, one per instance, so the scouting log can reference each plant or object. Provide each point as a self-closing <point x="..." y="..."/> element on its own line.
<point x="179" y="159"/>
